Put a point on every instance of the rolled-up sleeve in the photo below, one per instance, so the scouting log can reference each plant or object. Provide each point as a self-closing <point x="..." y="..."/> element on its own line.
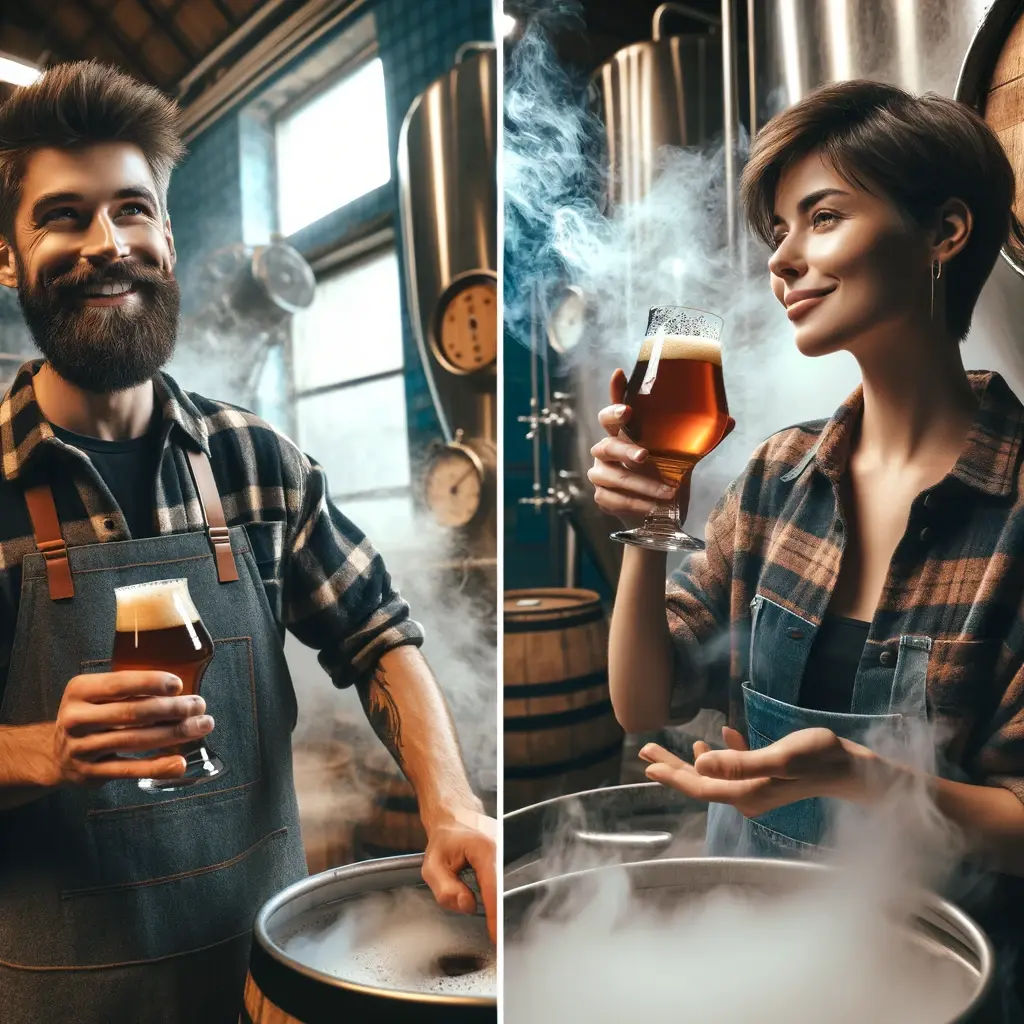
<point x="338" y="596"/>
<point x="697" y="602"/>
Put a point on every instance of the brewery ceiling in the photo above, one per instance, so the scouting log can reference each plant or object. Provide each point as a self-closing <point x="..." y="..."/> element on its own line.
<point x="158" y="41"/>
<point x="604" y="26"/>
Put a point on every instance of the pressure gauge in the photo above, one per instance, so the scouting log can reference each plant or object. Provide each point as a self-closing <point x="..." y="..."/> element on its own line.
<point x="454" y="485"/>
<point x="467" y="327"/>
<point x="568" y="320"/>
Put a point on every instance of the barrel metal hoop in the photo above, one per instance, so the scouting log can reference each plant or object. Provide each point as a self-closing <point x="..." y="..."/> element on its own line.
<point x="557" y="719"/>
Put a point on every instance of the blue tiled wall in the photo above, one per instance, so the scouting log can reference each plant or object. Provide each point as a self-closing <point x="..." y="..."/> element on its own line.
<point x="417" y="43"/>
<point x="205" y="202"/>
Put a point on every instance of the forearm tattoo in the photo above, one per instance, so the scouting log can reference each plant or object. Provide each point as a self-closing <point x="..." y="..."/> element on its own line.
<point x="382" y="713"/>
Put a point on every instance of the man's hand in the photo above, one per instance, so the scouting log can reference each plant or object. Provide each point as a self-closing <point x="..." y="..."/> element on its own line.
<point x="461" y="839"/>
<point x="104" y="715"/>
<point x="806" y="763"/>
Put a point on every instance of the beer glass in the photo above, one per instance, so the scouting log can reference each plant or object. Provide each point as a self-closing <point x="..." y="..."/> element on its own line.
<point x="159" y="629"/>
<point x="677" y="395"/>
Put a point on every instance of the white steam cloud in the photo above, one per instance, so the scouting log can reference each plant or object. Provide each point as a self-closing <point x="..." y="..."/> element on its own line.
<point x="845" y="949"/>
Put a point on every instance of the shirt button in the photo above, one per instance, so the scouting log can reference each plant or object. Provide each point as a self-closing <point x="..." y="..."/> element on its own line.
<point x="885" y="657"/>
<point x="930" y="501"/>
<point x="926" y="535"/>
<point x="108" y="524"/>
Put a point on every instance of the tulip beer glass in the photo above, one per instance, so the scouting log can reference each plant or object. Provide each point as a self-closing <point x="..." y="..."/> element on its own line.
<point x="159" y="629"/>
<point x="677" y="396"/>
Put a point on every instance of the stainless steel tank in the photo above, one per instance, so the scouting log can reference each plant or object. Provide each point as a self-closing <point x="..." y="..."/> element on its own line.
<point x="798" y="45"/>
<point x="447" y="160"/>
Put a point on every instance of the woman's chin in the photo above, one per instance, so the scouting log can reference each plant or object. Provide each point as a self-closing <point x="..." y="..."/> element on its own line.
<point x="816" y="343"/>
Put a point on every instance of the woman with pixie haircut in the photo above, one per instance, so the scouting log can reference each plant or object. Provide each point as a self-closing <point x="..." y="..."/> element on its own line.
<point x="872" y="565"/>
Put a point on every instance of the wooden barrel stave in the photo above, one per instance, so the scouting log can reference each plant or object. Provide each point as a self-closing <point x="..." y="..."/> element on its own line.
<point x="560" y="731"/>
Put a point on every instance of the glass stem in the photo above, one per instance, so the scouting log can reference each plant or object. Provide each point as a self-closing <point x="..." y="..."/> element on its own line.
<point x="664" y="519"/>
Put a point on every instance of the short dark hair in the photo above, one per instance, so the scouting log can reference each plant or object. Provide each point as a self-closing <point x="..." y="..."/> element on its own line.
<point x="79" y="104"/>
<point x="916" y="151"/>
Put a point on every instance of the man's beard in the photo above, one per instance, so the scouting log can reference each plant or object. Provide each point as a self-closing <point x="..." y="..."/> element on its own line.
<point x="104" y="349"/>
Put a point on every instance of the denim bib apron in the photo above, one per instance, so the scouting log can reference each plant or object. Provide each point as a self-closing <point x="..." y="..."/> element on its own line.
<point x="780" y="643"/>
<point x="119" y="906"/>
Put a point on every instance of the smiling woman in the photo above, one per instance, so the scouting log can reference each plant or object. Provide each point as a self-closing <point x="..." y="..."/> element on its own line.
<point x="856" y="602"/>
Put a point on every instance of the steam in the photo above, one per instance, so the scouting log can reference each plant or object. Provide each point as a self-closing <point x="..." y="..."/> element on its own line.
<point x="841" y="948"/>
<point x="668" y="249"/>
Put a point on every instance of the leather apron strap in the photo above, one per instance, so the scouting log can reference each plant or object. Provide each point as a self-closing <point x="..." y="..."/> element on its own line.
<point x="213" y="514"/>
<point x="50" y="542"/>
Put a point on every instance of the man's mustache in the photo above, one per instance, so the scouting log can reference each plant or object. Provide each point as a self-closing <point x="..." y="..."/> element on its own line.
<point x="123" y="272"/>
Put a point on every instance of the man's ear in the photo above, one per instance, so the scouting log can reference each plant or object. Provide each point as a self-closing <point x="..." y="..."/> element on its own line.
<point x="8" y="268"/>
<point x="169" y="238"/>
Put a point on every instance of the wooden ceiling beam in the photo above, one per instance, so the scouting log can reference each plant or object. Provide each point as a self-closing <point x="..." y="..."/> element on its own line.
<point x="226" y="14"/>
<point x="127" y="47"/>
<point x="46" y="29"/>
<point x="176" y="36"/>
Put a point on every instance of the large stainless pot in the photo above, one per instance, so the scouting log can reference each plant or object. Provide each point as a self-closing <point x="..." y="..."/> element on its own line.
<point x="617" y="823"/>
<point x="938" y="929"/>
<point x="288" y="985"/>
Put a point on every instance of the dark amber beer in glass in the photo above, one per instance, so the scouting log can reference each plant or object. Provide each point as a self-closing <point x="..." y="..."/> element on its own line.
<point x="159" y="629"/>
<point x="677" y="396"/>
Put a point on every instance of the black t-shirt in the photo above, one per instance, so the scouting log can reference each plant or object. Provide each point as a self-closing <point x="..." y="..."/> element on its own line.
<point x="832" y="664"/>
<point x="129" y="469"/>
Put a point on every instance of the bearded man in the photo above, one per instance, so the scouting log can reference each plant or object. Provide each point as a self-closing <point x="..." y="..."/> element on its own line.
<point x="118" y="905"/>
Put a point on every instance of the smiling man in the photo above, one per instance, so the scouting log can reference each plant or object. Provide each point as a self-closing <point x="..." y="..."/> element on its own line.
<point x="118" y="905"/>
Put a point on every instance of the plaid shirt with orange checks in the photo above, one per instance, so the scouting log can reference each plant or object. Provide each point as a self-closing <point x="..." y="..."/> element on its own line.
<point x="957" y="576"/>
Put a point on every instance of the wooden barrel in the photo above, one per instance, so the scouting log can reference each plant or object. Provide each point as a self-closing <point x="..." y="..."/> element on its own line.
<point x="395" y="826"/>
<point x="992" y="81"/>
<point x="560" y="732"/>
<point x="324" y="776"/>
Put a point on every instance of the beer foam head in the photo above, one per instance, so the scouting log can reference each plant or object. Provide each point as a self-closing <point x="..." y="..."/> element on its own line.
<point x="160" y="605"/>
<point x="675" y="346"/>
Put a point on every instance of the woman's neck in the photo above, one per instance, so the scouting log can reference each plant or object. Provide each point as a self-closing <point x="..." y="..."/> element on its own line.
<point x="915" y="409"/>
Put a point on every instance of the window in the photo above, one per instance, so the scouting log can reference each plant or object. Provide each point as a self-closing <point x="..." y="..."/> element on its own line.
<point x="333" y="149"/>
<point x="349" y="390"/>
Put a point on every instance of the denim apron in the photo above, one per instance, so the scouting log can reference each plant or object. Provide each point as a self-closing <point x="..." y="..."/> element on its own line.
<point x="780" y="643"/>
<point x="119" y="906"/>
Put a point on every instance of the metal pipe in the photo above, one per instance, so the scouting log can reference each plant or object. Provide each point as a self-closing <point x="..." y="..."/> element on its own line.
<point x="480" y="45"/>
<point x="571" y="553"/>
<point x="222" y="49"/>
<point x="534" y="396"/>
<point x="730" y="122"/>
<point x="684" y="9"/>
<point x="224" y="95"/>
<point x="752" y="64"/>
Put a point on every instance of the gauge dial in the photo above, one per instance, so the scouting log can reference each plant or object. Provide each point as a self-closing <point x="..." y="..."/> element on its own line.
<point x="454" y="485"/>
<point x="469" y="328"/>
<point x="567" y="323"/>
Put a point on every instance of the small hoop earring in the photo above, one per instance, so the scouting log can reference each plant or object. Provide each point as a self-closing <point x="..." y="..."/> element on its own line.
<point x="936" y="273"/>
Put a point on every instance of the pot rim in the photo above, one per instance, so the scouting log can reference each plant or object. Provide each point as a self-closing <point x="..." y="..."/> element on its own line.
<point x="404" y="863"/>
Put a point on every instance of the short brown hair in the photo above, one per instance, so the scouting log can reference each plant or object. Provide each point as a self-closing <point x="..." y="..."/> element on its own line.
<point x="916" y="151"/>
<point x="79" y="104"/>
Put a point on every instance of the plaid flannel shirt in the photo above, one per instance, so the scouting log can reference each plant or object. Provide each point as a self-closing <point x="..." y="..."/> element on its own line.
<point x="957" y="576"/>
<point x="323" y="579"/>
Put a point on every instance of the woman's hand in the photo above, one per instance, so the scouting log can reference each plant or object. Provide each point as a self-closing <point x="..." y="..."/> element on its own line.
<point x="625" y="486"/>
<point x="806" y="763"/>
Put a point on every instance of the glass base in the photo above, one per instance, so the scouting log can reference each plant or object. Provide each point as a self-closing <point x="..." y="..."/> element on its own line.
<point x="201" y="765"/>
<point x="667" y="540"/>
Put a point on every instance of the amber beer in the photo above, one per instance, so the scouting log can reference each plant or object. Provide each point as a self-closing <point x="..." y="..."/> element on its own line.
<point x="677" y="396"/>
<point x="158" y="628"/>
